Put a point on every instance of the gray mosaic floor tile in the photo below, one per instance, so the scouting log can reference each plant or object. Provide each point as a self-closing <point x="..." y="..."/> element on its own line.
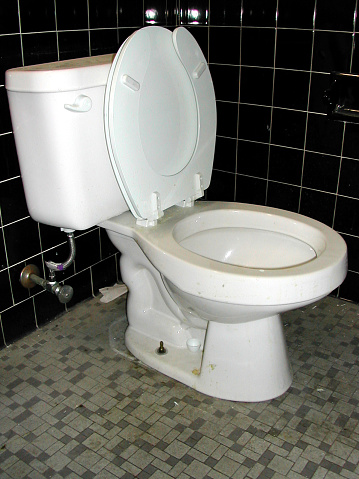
<point x="75" y="404"/>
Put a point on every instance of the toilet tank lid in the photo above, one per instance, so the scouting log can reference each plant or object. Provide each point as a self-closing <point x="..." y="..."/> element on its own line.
<point x="67" y="75"/>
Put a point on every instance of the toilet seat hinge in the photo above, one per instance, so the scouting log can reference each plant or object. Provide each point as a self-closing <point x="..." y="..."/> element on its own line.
<point x="198" y="181"/>
<point x="187" y="203"/>
<point x="156" y="211"/>
<point x="199" y="192"/>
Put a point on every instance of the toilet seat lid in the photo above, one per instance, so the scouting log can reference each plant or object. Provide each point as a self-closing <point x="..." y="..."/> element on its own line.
<point x="160" y="120"/>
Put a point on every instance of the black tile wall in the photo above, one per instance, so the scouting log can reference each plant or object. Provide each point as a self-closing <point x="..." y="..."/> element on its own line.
<point x="258" y="13"/>
<point x="270" y="61"/>
<point x="71" y="15"/>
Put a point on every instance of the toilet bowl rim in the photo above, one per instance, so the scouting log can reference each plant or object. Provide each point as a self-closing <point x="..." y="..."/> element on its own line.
<point x="197" y="274"/>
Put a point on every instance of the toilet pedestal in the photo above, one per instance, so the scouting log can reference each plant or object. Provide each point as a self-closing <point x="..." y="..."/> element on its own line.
<point x="239" y="362"/>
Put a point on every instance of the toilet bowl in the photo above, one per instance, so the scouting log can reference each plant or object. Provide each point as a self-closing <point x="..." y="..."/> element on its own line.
<point x="127" y="143"/>
<point x="222" y="273"/>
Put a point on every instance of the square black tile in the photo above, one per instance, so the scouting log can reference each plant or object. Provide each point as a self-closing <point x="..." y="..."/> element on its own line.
<point x="291" y="89"/>
<point x="258" y="47"/>
<point x="351" y="141"/>
<point x="350" y="288"/>
<point x="288" y="128"/>
<point x="106" y="41"/>
<point x="319" y="83"/>
<point x="332" y="51"/>
<point x="103" y="13"/>
<point x="318" y="205"/>
<point x="10" y="54"/>
<point x="37" y="16"/>
<point x="13" y="203"/>
<point x="324" y="135"/>
<point x="353" y="251"/>
<point x="221" y="187"/>
<point x="226" y="12"/>
<point x="224" y="45"/>
<point x="254" y="123"/>
<point x="73" y="45"/>
<point x="294" y="49"/>
<point x="21" y="240"/>
<point x="88" y="250"/>
<point x="9" y="18"/>
<point x="347" y="216"/>
<point x="72" y="15"/>
<point x="18" y="320"/>
<point x="334" y="15"/>
<point x="250" y="190"/>
<point x="349" y="178"/>
<point x="285" y="197"/>
<point x="225" y="154"/>
<point x="256" y="85"/>
<point x="194" y="12"/>
<point x="130" y="14"/>
<point x="259" y="13"/>
<point x="285" y="165"/>
<point x="9" y="164"/>
<point x="39" y="48"/>
<point x="296" y="14"/>
<point x="321" y="172"/>
<point x="5" y="297"/>
<point x="252" y="158"/>
<point x="226" y="82"/>
<point x="227" y="114"/>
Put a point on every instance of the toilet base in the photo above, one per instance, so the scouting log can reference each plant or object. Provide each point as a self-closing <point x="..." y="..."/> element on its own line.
<point x="240" y="362"/>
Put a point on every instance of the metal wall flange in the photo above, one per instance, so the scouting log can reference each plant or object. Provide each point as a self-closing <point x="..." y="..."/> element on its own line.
<point x="25" y="279"/>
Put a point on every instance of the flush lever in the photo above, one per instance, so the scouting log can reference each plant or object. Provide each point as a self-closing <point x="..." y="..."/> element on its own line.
<point x="81" y="104"/>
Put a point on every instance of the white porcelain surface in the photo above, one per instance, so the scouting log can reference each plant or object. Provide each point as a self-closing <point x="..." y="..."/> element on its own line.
<point x="249" y="247"/>
<point x="206" y="278"/>
<point x="65" y="167"/>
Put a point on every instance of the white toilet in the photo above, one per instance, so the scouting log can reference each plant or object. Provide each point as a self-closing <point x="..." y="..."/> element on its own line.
<point x="127" y="143"/>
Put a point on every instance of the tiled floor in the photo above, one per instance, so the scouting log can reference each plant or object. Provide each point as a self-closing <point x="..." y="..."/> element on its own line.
<point x="72" y="407"/>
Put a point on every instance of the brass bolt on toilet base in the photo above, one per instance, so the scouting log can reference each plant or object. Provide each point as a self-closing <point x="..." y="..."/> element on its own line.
<point x="161" y="350"/>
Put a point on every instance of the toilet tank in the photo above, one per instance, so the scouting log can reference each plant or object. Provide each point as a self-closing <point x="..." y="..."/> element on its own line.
<point x="57" y="116"/>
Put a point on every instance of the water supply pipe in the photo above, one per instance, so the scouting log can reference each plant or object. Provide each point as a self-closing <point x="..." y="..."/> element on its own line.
<point x="29" y="277"/>
<point x="62" y="266"/>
